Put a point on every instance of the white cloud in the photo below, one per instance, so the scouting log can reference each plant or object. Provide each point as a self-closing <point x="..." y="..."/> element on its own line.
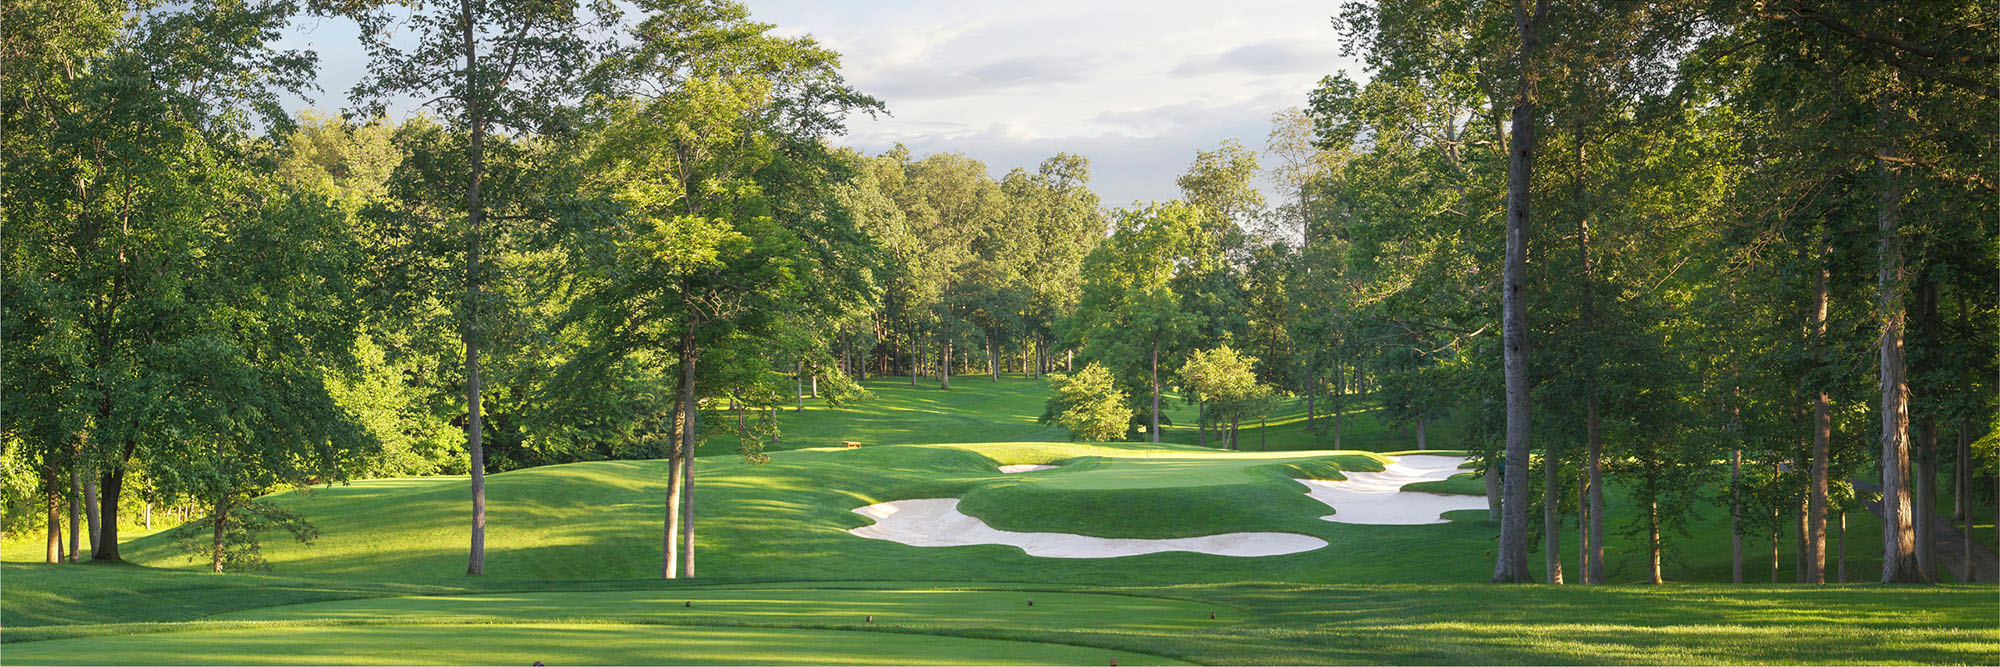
<point x="1137" y="87"/>
<point x="1262" y="58"/>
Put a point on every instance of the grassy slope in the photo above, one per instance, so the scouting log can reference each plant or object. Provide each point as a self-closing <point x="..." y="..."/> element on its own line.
<point x="788" y="518"/>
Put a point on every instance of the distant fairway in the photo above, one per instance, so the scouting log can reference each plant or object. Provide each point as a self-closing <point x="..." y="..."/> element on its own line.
<point x="977" y="409"/>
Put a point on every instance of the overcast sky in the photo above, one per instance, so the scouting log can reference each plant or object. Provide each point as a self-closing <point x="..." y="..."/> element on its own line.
<point x="1135" y="86"/>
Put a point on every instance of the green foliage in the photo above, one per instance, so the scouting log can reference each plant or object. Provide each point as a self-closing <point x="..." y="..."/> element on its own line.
<point x="236" y="547"/>
<point x="1226" y="380"/>
<point x="1089" y="404"/>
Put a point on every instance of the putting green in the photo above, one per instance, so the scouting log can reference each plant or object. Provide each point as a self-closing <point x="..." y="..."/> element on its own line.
<point x="552" y="643"/>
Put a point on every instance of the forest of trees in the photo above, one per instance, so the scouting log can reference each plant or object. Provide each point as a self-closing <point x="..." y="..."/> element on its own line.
<point x="1730" y="257"/>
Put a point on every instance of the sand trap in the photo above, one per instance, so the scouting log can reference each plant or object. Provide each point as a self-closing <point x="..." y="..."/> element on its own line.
<point x="1025" y="468"/>
<point x="936" y="522"/>
<point x="1378" y="497"/>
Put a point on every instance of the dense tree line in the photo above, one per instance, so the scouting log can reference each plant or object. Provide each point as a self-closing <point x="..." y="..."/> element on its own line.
<point x="1737" y="257"/>
<point x="597" y="236"/>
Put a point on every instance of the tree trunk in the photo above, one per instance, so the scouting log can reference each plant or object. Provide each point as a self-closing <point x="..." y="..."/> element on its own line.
<point x="670" y="553"/>
<point x="813" y="383"/>
<point x="1552" y="562"/>
<point x="1339" y="401"/>
<point x="1799" y="567"/>
<point x="742" y="427"/>
<point x="1420" y="434"/>
<point x="1962" y="478"/>
<point x="1899" y="557"/>
<point x="75" y="511"/>
<point x="52" y="483"/>
<point x="1591" y="510"/>
<point x="1511" y="562"/>
<point x="1493" y="474"/>
<point x="1653" y="543"/>
<point x="1735" y="516"/>
<point x="799" y="384"/>
<point x="1154" y="431"/>
<point x="220" y="519"/>
<point x="1201" y="421"/>
<point x="1840" y="546"/>
<point x="1263" y="431"/>
<point x="1926" y="497"/>
<point x="1814" y="544"/>
<point x="91" y="520"/>
<point x="690" y="420"/>
<point x="1232" y="433"/>
<point x="1963" y="501"/>
<point x="993" y="359"/>
<point x="111" y="486"/>
<point x="944" y="370"/>
<point x="475" y="214"/>
<point x="1595" y="476"/>
<point x="1774" y="548"/>
<point x="687" y="503"/>
<point x="1583" y="560"/>
<point x="1923" y="515"/>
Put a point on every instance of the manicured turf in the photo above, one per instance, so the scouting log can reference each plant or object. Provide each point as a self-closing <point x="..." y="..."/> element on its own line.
<point x="569" y="643"/>
<point x="573" y="558"/>
<point x="784" y="623"/>
<point x="789" y="519"/>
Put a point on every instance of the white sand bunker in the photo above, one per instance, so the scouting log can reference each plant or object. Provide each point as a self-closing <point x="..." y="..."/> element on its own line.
<point x="1378" y="497"/>
<point x="1025" y="468"/>
<point x="936" y="522"/>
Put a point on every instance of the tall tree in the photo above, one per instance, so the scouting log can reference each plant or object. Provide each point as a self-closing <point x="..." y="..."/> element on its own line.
<point x="142" y="125"/>
<point x="482" y="64"/>
<point x="1511" y="564"/>
<point x="711" y="155"/>
<point x="1129" y="316"/>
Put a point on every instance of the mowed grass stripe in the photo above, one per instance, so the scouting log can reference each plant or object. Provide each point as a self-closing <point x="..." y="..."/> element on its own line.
<point x="555" y="643"/>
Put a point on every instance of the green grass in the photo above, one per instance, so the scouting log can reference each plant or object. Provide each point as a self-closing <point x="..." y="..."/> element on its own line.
<point x="573" y="643"/>
<point x="573" y="558"/>
<point x="789" y="519"/>
<point x="826" y="623"/>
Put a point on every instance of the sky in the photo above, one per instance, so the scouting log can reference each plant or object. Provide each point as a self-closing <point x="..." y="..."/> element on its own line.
<point x="1135" y="86"/>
